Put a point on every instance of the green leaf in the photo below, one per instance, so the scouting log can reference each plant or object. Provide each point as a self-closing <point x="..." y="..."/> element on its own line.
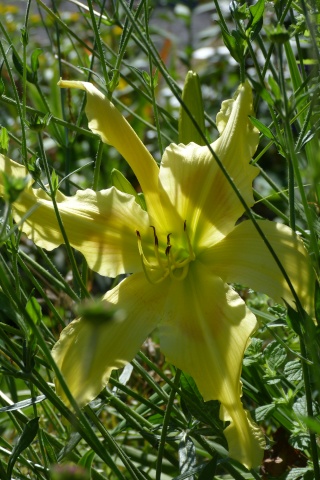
<point x="300" y="473"/>
<point x="206" y="412"/>
<point x="50" y="452"/>
<point x="256" y="12"/>
<point x="4" y="141"/>
<point x="262" y="128"/>
<point x="275" y="355"/>
<point x="35" y="60"/>
<point x="234" y="43"/>
<point x="29" y="432"/>
<point x="2" y="87"/>
<point x="34" y="310"/>
<point x="192" y="98"/>
<point x="293" y="371"/>
<point x="266" y="411"/>
<point x="8" y="312"/>
<point x="187" y="455"/>
<point x="275" y="88"/>
<point x="86" y="460"/>
<point x="121" y="183"/>
<point x="301" y="441"/>
<point x="19" y="67"/>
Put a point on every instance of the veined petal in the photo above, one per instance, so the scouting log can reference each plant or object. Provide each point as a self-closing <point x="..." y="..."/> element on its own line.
<point x="89" y="350"/>
<point x="106" y="121"/>
<point x="195" y="184"/>
<point x="205" y="331"/>
<point x="243" y="257"/>
<point x="101" y="225"/>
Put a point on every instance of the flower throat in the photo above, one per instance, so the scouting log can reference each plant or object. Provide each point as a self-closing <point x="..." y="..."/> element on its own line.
<point x="177" y="268"/>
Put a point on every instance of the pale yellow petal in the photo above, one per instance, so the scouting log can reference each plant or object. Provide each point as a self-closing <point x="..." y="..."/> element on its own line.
<point x="197" y="187"/>
<point x="242" y="257"/>
<point x="101" y="225"/>
<point x="205" y="331"/>
<point x="106" y="121"/>
<point x="89" y="349"/>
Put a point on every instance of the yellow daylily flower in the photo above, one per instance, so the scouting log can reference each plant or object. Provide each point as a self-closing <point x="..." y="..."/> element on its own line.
<point x="182" y="253"/>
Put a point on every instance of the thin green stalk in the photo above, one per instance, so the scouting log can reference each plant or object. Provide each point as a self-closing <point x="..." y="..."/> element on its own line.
<point x="97" y="166"/>
<point x="308" y="390"/>
<point x="74" y="266"/>
<point x="15" y="93"/>
<point x="56" y="280"/>
<point x="113" y="445"/>
<point x="165" y="425"/>
<point x="98" y="42"/>
<point x="152" y="85"/>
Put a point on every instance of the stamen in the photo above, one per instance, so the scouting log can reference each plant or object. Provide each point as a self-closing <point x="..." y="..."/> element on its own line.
<point x="173" y="266"/>
<point x="191" y="252"/>
<point x="142" y="256"/>
<point x="146" y="264"/>
<point x="156" y="247"/>
<point x="156" y="242"/>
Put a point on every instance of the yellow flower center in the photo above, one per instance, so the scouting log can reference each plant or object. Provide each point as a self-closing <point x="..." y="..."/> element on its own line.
<point x="173" y="262"/>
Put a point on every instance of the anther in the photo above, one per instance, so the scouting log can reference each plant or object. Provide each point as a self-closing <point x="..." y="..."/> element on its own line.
<point x="191" y="252"/>
<point x="168" y="250"/>
<point x="168" y="239"/>
<point x="156" y="241"/>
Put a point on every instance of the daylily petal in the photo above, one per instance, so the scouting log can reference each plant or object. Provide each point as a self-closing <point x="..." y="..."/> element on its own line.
<point x="101" y="225"/>
<point x="243" y="257"/>
<point x="106" y="121"/>
<point x="89" y="350"/>
<point x="205" y="332"/>
<point x="195" y="184"/>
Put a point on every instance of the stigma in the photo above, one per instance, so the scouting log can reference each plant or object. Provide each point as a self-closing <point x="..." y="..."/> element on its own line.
<point x="171" y="261"/>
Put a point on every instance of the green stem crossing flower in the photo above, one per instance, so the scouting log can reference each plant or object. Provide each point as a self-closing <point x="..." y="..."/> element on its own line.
<point x="182" y="254"/>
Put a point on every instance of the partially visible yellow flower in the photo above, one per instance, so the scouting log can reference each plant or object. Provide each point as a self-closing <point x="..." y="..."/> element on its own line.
<point x="182" y="253"/>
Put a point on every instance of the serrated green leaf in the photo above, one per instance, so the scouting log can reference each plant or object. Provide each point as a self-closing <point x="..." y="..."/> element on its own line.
<point x="301" y="441"/>
<point x="29" y="432"/>
<point x="275" y="355"/>
<point x="293" y="371"/>
<point x="299" y="473"/>
<point x="266" y="411"/>
<point x="192" y="98"/>
<point x="187" y="455"/>
<point x="300" y="406"/>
